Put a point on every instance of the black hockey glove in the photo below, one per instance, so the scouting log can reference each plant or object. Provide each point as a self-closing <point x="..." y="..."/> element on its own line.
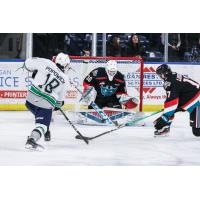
<point x="161" y="122"/>
<point x="59" y="105"/>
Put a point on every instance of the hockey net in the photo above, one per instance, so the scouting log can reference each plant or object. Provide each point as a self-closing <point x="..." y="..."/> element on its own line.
<point x="131" y="67"/>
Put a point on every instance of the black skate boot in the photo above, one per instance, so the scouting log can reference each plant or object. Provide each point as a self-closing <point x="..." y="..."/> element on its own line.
<point x="31" y="144"/>
<point x="47" y="136"/>
<point x="164" y="132"/>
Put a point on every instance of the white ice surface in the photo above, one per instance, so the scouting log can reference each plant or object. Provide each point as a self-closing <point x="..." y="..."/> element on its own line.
<point x="129" y="146"/>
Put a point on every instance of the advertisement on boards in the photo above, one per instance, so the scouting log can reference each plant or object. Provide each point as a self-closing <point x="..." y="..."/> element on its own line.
<point x="14" y="83"/>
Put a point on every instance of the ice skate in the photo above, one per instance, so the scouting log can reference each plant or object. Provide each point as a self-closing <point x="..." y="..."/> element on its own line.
<point x="32" y="145"/>
<point x="162" y="133"/>
<point x="47" y="136"/>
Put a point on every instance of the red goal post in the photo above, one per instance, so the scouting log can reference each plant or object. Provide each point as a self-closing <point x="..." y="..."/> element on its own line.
<point x="131" y="67"/>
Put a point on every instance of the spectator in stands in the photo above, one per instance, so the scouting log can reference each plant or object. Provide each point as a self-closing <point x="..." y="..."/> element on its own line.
<point x="134" y="48"/>
<point x="192" y="53"/>
<point x="113" y="46"/>
<point x="73" y="44"/>
<point x="174" y="43"/>
<point x="85" y="51"/>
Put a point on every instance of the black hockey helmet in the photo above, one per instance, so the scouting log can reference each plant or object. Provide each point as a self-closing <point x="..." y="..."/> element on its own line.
<point x="163" y="71"/>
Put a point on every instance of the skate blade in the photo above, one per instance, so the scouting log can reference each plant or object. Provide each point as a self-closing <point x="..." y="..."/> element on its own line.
<point x="31" y="148"/>
<point x="161" y="136"/>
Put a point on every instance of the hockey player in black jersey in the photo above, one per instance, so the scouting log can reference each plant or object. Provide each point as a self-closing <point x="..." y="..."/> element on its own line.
<point x="110" y="87"/>
<point x="183" y="94"/>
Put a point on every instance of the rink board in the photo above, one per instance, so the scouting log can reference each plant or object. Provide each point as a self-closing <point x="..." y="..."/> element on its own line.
<point x="14" y="83"/>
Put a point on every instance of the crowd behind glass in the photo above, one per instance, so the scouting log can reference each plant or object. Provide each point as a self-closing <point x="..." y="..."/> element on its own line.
<point x="182" y="47"/>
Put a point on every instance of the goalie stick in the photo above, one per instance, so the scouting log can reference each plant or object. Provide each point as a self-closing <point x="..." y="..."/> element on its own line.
<point x="86" y="94"/>
<point x="119" y="127"/>
<point x="74" y="127"/>
<point x="96" y="107"/>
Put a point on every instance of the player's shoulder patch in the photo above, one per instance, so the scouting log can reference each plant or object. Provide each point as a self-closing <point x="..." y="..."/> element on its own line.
<point x="167" y="85"/>
<point x="95" y="72"/>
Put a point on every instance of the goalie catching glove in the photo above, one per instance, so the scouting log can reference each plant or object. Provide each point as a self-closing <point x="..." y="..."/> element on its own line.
<point x="128" y="102"/>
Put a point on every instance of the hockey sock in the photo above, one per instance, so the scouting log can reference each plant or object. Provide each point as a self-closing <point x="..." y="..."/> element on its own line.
<point x="36" y="134"/>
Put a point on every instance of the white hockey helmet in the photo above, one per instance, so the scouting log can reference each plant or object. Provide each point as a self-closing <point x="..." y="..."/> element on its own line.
<point x="62" y="61"/>
<point x="111" y="69"/>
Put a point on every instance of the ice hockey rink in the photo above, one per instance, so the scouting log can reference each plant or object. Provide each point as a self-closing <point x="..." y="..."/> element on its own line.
<point x="129" y="146"/>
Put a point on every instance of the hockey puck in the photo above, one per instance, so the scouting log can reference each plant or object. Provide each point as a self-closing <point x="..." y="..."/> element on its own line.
<point x="82" y="138"/>
<point x="78" y="137"/>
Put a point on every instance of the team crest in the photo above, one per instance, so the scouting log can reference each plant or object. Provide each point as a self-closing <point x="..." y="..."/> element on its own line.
<point x="108" y="90"/>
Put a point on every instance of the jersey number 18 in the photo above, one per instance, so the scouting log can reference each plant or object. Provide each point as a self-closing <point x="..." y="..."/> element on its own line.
<point x="49" y="84"/>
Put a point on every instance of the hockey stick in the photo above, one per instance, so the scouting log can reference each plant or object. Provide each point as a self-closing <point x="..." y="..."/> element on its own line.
<point x="79" y="134"/>
<point x="86" y="94"/>
<point x="121" y="126"/>
<point x="96" y="107"/>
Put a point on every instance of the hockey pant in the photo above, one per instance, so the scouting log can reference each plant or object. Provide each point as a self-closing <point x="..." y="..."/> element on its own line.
<point x="42" y="115"/>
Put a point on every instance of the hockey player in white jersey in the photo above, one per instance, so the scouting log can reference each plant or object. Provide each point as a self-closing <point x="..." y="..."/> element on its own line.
<point x="46" y="92"/>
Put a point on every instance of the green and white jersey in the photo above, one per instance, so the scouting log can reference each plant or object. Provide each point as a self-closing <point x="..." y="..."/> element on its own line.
<point x="49" y="85"/>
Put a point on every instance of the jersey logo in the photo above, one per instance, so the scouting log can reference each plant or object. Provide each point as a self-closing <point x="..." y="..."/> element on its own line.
<point x="108" y="90"/>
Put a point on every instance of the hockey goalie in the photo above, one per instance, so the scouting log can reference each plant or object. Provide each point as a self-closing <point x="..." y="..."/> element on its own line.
<point x="109" y="87"/>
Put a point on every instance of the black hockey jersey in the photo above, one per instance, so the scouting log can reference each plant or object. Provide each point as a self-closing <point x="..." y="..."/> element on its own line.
<point x="98" y="78"/>
<point x="182" y="93"/>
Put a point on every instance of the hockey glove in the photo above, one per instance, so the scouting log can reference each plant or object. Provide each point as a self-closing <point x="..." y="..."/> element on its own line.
<point x="59" y="105"/>
<point x="161" y="122"/>
<point x="162" y="126"/>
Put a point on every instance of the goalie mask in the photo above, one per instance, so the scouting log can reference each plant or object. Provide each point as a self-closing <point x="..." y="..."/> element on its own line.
<point x="111" y="69"/>
<point x="62" y="61"/>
